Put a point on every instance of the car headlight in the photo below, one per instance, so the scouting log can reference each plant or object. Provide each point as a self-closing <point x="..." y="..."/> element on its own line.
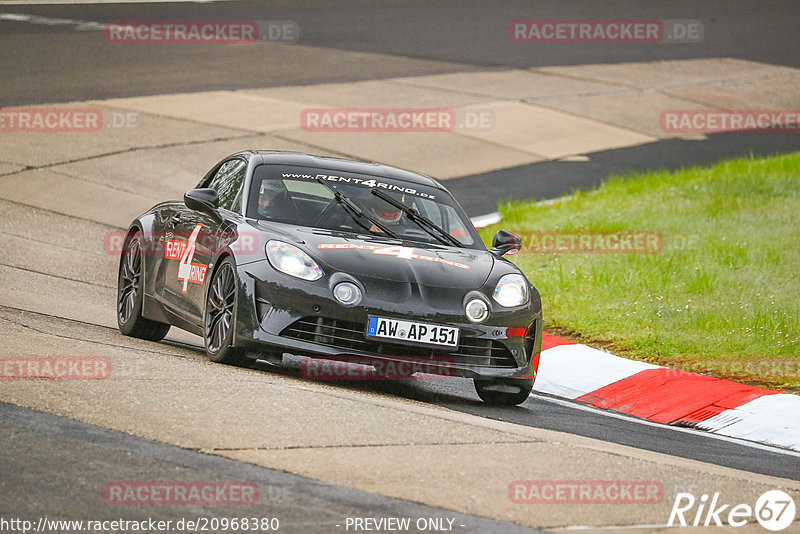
<point x="291" y="260"/>
<point x="511" y="290"/>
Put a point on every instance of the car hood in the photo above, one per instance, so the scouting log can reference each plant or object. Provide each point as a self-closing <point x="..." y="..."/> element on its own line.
<point x="411" y="262"/>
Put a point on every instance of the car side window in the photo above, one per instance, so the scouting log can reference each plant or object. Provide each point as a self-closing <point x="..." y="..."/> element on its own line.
<point x="227" y="182"/>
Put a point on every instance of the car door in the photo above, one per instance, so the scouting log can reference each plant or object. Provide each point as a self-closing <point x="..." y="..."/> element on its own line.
<point x="192" y="250"/>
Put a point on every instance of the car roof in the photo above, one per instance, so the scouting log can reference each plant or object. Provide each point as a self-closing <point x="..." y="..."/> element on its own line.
<point x="302" y="159"/>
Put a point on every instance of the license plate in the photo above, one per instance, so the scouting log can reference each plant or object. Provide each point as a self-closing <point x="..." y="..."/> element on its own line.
<point x="429" y="334"/>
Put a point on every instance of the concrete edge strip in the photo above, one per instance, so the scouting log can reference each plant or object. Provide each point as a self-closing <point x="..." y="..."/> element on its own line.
<point x="220" y="466"/>
<point x="659" y="394"/>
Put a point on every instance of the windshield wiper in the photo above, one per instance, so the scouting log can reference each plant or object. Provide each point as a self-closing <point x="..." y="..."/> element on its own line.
<point x="423" y="222"/>
<point x="354" y="211"/>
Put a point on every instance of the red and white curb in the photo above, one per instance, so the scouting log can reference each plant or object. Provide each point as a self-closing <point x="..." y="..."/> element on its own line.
<point x="662" y="395"/>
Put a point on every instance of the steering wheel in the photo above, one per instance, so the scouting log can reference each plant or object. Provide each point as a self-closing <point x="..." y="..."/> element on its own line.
<point x="335" y="220"/>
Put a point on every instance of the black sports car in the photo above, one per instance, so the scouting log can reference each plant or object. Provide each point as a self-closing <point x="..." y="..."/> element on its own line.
<point x="283" y="252"/>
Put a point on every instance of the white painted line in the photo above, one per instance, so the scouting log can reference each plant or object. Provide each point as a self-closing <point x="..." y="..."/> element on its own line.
<point x="551" y="201"/>
<point x="575" y="158"/>
<point x="49" y="21"/>
<point x="79" y="2"/>
<point x="700" y="433"/>
<point x="491" y="218"/>
<point x="485" y="220"/>
<point x="613" y="527"/>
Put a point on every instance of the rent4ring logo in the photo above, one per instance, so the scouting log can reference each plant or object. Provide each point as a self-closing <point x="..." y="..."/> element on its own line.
<point x="774" y="510"/>
<point x="187" y="270"/>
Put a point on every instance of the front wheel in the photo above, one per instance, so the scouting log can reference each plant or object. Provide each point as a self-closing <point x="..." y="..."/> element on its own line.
<point x="504" y="392"/>
<point x="130" y="294"/>
<point x="220" y="317"/>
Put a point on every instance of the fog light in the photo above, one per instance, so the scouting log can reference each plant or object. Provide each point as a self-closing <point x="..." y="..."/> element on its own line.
<point x="347" y="293"/>
<point x="477" y="311"/>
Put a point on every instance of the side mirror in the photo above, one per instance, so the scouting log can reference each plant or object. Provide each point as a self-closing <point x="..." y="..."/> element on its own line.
<point x="505" y="243"/>
<point x="204" y="200"/>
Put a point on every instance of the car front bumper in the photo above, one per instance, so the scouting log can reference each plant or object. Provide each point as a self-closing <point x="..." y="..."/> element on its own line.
<point x="279" y="312"/>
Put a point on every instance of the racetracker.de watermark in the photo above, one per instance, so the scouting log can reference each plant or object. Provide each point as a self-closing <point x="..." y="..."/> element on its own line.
<point x="605" y="31"/>
<point x="396" y="119"/>
<point x="148" y="525"/>
<point x="578" y="242"/>
<point x="200" y="31"/>
<point x="377" y="369"/>
<point x="713" y="120"/>
<point x="181" y="493"/>
<point x="761" y="368"/>
<point x="586" y="492"/>
<point x="54" y="368"/>
<point x="173" y="246"/>
<point x="55" y="120"/>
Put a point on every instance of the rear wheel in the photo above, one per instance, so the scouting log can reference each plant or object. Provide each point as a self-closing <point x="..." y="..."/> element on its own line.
<point x="130" y="294"/>
<point x="504" y="392"/>
<point x="220" y="317"/>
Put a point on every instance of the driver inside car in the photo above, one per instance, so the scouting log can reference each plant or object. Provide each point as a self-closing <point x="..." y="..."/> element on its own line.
<point x="274" y="201"/>
<point x="381" y="211"/>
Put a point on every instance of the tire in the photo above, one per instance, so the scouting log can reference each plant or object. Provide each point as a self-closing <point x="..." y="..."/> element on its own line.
<point x="130" y="294"/>
<point x="219" y="317"/>
<point x="504" y="392"/>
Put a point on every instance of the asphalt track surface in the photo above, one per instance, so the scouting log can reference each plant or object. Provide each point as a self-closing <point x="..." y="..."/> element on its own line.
<point x="51" y="63"/>
<point x="50" y="456"/>
<point x="555" y="178"/>
<point x="543" y="411"/>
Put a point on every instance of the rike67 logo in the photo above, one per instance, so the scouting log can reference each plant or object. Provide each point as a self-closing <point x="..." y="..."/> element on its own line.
<point x="774" y="510"/>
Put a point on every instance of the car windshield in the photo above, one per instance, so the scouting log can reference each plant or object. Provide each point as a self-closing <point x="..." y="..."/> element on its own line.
<point x="294" y="195"/>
